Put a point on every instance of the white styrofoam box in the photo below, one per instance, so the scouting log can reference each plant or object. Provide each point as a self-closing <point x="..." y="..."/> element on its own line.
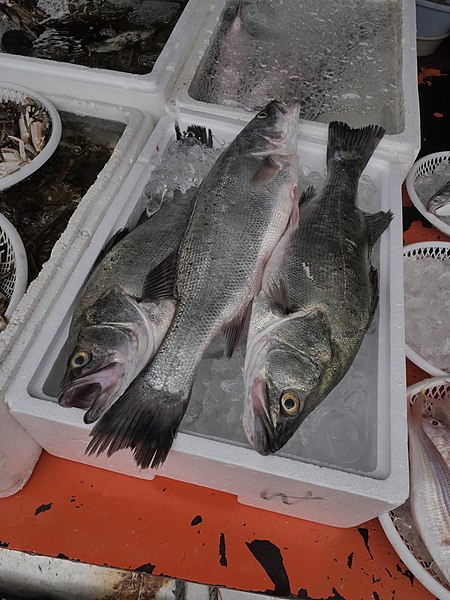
<point x="279" y="483"/>
<point x="146" y="92"/>
<point x="402" y="146"/>
<point x="19" y="452"/>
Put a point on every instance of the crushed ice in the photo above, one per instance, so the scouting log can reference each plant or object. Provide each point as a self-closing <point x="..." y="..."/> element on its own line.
<point x="342" y="431"/>
<point x="427" y="308"/>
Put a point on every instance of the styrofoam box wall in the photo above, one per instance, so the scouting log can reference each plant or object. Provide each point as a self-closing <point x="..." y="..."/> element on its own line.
<point x="403" y="146"/>
<point x="275" y="482"/>
<point x="147" y="92"/>
<point x="18" y="454"/>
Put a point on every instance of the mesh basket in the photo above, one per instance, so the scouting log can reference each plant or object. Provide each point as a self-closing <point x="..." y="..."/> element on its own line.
<point x="438" y="251"/>
<point x="398" y="524"/>
<point x="13" y="266"/>
<point x="19" y="94"/>
<point x="426" y="166"/>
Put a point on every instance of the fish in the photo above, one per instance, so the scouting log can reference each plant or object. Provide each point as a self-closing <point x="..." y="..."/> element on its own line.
<point x="429" y="489"/>
<point x="437" y="425"/>
<point x="439" y="203"/>
<point x="245" y="205"/>
<point x="114" y="330"/>
<point x="439" y="434"/>
<point x="317" y="302"/>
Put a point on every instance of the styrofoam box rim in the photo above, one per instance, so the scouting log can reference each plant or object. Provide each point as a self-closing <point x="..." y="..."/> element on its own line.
<point x="160" y="79"/>
<point x="403" y="147"/>
<point x="43" y="291"/>
<point x="197" y="454"/>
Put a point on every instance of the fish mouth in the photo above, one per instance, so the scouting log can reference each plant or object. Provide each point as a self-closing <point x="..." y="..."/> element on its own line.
<point x="86" y="392"/>
<point x="435" y="208"/>
<point x="257" y="425"/>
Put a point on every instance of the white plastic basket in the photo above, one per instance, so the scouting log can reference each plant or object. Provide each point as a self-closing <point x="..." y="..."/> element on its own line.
<point x="17" y="93"/>
<point x="439" y="251"/>
<point x="436" y="387"/>
<point x="426" y="166"/>
<point x="13" y="260"/>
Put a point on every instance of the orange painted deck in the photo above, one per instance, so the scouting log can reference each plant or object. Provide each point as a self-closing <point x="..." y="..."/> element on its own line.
<point x="166" y="527"/>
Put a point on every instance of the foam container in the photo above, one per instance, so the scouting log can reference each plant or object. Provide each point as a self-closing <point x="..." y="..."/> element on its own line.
<point x="278" y="483"/>
<point x="18" y="451"/>
<point x="402" y="146"/>
<point x="147" y="92"/>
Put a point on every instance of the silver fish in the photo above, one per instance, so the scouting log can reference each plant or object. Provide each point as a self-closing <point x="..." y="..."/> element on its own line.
<point x="429" y="490"/>
<point x="439" y="203"/>
<point x="245" y="205"/>
<point x="114" y="330"/>
<point x="439" y="434"/>
<point x="319" y="297"/>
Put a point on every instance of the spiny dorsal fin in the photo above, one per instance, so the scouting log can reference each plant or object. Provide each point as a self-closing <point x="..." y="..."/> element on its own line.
<point x="235" y="329"/>
<point x="376" y="223"/>
<point x="160" y="283"/>
<point x="200" y="133"/>
<point x="307" y="195"/>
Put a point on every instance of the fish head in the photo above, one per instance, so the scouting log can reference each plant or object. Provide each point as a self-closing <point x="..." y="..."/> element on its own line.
<point x="439" y="205"/>
<point x="282" y="389"/>
<point x="111" y="347"/>
<point x="273" y="130"/>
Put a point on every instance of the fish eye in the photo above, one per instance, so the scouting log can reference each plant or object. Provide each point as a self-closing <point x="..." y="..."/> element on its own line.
<point x="435" y="423"/>
<point x="261" y="115"/>
<point x="80" y="359"/>
<point x="290" y="403"/>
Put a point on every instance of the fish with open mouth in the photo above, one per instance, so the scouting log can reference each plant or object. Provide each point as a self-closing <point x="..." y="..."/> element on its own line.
<point x="247" y="202"/>
<point x="317" y="303"/>
<point x="114" y="330"/>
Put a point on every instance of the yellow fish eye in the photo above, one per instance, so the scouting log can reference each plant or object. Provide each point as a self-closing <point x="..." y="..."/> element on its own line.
<point x="80" y="359"/>
<point x="290" y="403"/>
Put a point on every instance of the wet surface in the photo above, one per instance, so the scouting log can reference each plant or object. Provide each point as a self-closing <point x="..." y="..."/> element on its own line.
<point x="40" y="206"/>
<point x="121" y="36"/>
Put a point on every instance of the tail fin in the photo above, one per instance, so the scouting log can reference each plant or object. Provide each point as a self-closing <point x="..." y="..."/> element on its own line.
<point x="147" y="425"/>
<point x="358" y="145"/>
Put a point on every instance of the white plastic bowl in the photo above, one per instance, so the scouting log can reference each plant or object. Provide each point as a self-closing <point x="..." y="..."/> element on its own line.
<point x="428" y="45"/>
<point x="18" y="93"/>
<point x="418" y="251"/>
<point x="14" y="259"/>
<point x="425" y="166"/>
<point x="435" y="387"/>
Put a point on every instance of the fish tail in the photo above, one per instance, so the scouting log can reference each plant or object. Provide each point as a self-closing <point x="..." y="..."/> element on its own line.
<point x="145" y="422"/>
<point x="355" y="145"/>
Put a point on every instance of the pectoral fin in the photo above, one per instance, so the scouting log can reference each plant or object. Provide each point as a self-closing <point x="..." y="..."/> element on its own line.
<point x="267" y="171"/>
<point x="160" y="283"/>
<point x="377" y="223"/>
